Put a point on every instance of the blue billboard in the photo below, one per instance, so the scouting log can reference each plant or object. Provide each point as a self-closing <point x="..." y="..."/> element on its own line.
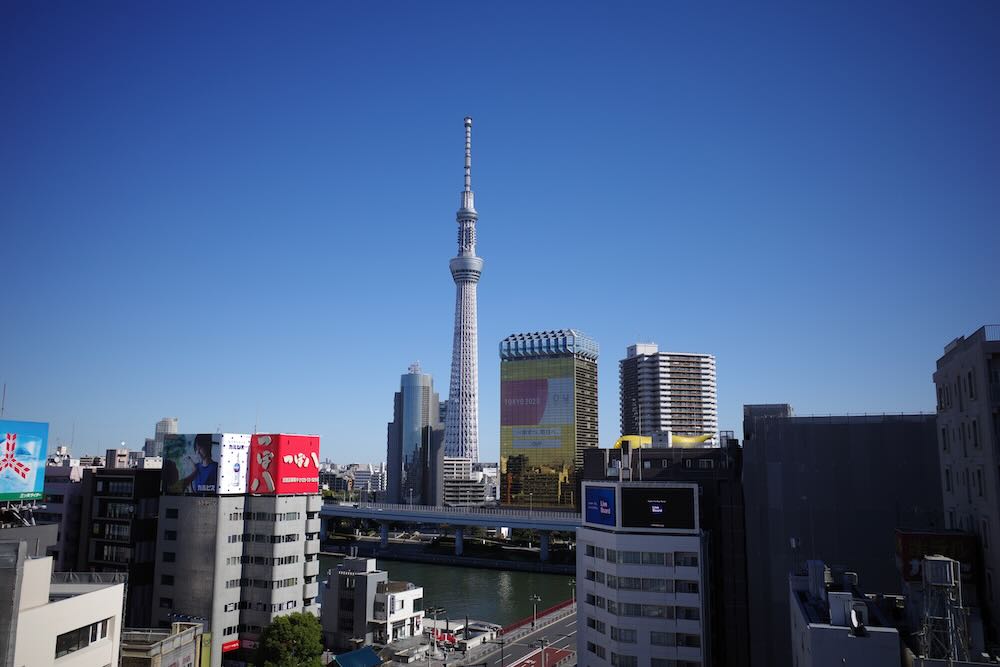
<point x="22" y="461"/>
<point x="600" y="505"/>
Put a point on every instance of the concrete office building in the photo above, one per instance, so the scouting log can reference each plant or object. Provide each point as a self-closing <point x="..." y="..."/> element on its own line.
<point x="361" y="606"/>
<point x="349" y="604"/>
<point x="235" y="563"/>
<point x="834" y="624"/>
<point x="46" y="618"/>
<point x="118" y="514"/>
<point x="718" y="473"/>
<point x="641" y="573"/>
<point x="548" y="416"/>
<point x="832" y="488"/>
<point x="667" y="391"/>
<point x="967" y="381"/>
<point x="63" y="506"/>
<point x="414" y="448"/>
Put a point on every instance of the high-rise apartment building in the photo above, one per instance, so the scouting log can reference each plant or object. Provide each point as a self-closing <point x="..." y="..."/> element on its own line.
<point x="548" y="416"/>
<point x="968" y="433"/>
<point x="831" y="488"/>
<point x="667" y="391"/>
<point x="240" y="547"/>
<point x="641" y="575"/>
<point x="462" y="422"/>
<point x="414" y="441"/>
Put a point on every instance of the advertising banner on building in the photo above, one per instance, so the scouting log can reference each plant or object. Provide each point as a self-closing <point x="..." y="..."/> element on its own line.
<point x="22" y="461"/>
<point x="284" y="464"/>
<point x="234" y="458"/>
<point x="212" y="463"/>
<point x="660" y="507"/>
<point x="600" y="505"/>
<point x="537" y="432"/>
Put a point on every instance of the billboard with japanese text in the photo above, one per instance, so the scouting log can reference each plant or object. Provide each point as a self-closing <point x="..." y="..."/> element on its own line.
<point x="22" y="462"/>
<point x="284" y="464"/>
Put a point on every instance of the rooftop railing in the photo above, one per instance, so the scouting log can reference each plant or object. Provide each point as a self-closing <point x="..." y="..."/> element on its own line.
<point x="108" y="578"/>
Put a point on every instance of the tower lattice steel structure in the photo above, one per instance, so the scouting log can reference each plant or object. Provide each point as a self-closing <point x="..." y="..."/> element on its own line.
<point x="462" y="421"/>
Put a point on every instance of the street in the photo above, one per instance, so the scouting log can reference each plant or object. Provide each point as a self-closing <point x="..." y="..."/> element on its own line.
<point x="524" y="652"/>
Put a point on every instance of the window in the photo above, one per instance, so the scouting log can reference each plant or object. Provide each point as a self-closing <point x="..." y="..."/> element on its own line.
<point x="171" y="512"/>
<point x="652" y="558"/>
<point x="689" y="613"/>
<point x="589" y="550"/>
<point x="984" y="528"/>
<point x="975" y="434"/>
<point x="169" y="556"/>
<point x="972" y="386"/>
<point x="662" y="638"/>
<point x="166" y="603"/>
<point x="944" y="439"/>
<point x="979" y="481"/>
<point x="170" y="535"/>
<point x="687" y="559"/>
<point x="624" y="635"/>
<point x="687" y="586"/>
<point x="166" y="580"/>
<point x="947" y="479"/>
<point x="74" y="640"/>
<point x="595" y="649"/>
<point x="693" y="641"/>
<point x="631" y="557"/>
<point x="599" y="552"/>
<point x="612" y="556"/>
<point x="624" y="660"/>
<point x="597" y="625"/>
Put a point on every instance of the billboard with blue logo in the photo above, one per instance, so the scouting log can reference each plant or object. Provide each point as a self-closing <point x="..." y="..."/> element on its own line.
<point x="22" y="461"/>
<point x="600" y="506"/>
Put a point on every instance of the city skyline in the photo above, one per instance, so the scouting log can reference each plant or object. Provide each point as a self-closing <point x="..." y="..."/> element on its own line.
<point x="275" y="222"/>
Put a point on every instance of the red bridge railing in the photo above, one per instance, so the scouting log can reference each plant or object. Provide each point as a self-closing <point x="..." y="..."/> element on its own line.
<point x="544" y="612"/>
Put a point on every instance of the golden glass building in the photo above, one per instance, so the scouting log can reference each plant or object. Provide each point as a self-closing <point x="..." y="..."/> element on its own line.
<point x="548" y="416"/>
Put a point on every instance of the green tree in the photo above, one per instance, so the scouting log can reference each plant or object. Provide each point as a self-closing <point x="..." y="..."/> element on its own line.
<point x="291" y="641"/>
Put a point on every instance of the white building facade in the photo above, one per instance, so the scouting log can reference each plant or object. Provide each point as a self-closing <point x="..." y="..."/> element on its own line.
<point x="641" y="577"/>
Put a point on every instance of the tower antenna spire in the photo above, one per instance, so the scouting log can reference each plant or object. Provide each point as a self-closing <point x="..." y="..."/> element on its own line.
<point x="468" y="153"/>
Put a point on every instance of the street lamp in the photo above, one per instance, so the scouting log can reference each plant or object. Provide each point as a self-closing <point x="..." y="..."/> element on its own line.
<point x="535" y="599"/>
<point x="434" y="632"/>
<point x="531" y="502"/>
<point x="543" y="642"/>
<point x="572" y="586"/>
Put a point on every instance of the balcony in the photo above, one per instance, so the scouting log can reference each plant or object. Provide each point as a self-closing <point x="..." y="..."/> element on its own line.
<point x="311" y="568"/>
<point x="310" y="591"/>
<point x="313" y="525"/>
<point x="312" y="547"/>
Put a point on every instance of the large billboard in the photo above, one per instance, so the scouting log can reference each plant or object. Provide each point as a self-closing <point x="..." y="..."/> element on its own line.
<point x="660" y="507"/>
<point x="22" y="462"/>
<point x="212" y="463"/>
<point x="281" y="464"/>
<point x="600" y="505"/>
<point x="537" y="432"/>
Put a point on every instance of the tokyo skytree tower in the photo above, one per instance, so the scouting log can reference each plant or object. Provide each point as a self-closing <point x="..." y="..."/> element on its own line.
<point x="461" y="430"/>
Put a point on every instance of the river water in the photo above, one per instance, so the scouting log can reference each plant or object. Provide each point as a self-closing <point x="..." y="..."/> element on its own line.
<point x="496" y="596"/>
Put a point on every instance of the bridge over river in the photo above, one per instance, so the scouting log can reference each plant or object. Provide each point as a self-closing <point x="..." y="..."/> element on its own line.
<point x="385" y="514"/>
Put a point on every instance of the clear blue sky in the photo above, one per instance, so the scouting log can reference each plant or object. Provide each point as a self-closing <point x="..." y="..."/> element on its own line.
<point x="244" y="213"/>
